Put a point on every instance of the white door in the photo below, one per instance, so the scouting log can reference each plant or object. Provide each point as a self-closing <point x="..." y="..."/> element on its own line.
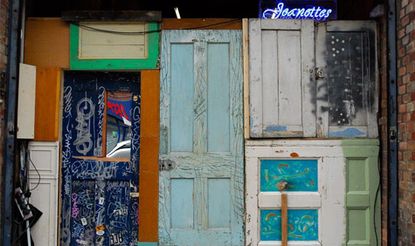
<point x="315" y="173"/>
<point x="44" y="156"/>
<point x="281" y="57"/>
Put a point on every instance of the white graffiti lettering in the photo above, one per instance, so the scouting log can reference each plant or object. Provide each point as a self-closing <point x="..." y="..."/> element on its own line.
<point x="84" y="112"/>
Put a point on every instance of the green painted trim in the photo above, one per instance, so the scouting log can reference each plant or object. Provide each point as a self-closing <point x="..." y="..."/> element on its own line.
<point x="147" y="244"/>
<point x="362" y="180"/>
<point x="115" y="64"/>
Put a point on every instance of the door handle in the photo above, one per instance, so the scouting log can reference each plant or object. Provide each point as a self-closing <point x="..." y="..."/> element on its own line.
<point x="319" y="73"/>
<point x="282" y="186"/>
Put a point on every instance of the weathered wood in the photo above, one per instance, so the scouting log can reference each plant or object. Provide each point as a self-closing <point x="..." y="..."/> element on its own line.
<point x="245" y="47"/>
<point x="201" y="134"/>
<point x="103" y="45"/>
<point x="284" y="219"/>
<point x="48" y="84"/>
<point x="347" y="87"/>
<point x="282" y="101"/>
<point x="149" y="168"/>
<point x="329" y="199"/>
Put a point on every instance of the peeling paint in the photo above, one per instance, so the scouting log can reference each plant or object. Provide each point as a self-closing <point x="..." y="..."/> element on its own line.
<point x="348" y="133"/>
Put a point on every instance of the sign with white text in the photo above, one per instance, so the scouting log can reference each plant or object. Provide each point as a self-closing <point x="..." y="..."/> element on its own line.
<point x="298" y="9"/>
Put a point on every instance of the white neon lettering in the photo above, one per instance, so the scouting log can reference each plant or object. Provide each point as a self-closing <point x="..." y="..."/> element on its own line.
<point x="282" y="12"/>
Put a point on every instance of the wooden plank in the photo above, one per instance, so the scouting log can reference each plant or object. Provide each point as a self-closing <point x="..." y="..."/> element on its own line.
<point x="47" y="42"/>
<point x="308" y="84"/>
<point x="245" y="47"/>
<point x="289" y="79"/>
<point x="255" y="77"/>
<point x="270" y="80"/>
<point x="26" y="102"/>
<point x="148" y="206"/>
<point x="284" y="220"/>
<point x="200" y="23"/>
<point x="48" y="84"/>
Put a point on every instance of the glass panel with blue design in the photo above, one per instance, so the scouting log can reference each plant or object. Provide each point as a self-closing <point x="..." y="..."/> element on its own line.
<point x="302" y="225"/>
<point x="301" y="175"/>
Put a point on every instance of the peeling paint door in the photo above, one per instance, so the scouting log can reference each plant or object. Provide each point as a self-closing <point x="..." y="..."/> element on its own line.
<point x="347" y="91"/>
<point x="99" y="193"/>
<point x="201" y="152"/>
<point x="316" y="192"/>
<point x="281" y="56"/>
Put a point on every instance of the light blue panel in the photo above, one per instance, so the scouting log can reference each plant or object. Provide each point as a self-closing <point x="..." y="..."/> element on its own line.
<point x="301" y="175"/>
<point x="302" y="225"/>
<point x="219" y="203"/>
<point x="182" y="203"/>
<point x="218" y="97"/>
<point x="181" y="99"/>
<point x="147" y="244"/>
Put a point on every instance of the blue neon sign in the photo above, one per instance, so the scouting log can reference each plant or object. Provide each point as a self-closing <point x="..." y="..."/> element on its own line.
<point x="306" y="9"/>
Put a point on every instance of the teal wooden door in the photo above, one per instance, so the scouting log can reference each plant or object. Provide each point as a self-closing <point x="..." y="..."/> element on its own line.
<point x="201" y="152"/>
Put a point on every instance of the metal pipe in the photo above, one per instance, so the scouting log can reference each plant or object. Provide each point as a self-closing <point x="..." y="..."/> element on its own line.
<point x="10" y="119"/>
<point x="392" y="128"/>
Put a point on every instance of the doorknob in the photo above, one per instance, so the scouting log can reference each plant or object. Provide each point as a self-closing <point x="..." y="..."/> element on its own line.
<point x="319" y="73"/>
<point x="282" y="186"/>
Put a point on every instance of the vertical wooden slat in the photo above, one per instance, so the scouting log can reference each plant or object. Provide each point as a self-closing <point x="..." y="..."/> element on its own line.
<point x="245" y="37"/>
<point x="308" y="84"/>
<point x="148" y="208"/>
<point x="284" y="220"/>
<point x="48" y="82"/>
<point x="255" y="78"/>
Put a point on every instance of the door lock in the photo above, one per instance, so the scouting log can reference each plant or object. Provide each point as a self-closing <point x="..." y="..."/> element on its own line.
<point x="166" y="165"/>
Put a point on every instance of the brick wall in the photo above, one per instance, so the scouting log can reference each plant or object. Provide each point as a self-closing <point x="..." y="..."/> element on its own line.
<point x="406" y="120"/>
<point x="3" y="62"/>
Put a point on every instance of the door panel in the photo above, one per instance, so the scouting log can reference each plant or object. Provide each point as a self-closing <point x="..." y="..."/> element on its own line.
<point x="347" y="94"/>
<point x="201" y="182"/>
<point x="281" y="86"/>
<point x="99" y="194"/>
<point x="316" y="192"/>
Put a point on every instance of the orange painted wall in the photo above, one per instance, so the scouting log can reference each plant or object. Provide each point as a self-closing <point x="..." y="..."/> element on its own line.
<point x="47" y="42"/>
<point x="47" y="104"/>
<point x="149" y="173"/>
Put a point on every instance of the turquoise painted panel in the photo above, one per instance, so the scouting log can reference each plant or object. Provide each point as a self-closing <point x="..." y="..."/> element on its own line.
<point x="182" y="203"/>
<point x="302" y="225"/>
<point x="182" y="91"/>
<point x="218" y="97"/>
<point x="219" y="203"/>
<point x="147" y="244"/>
<point x="302" y="175"/>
